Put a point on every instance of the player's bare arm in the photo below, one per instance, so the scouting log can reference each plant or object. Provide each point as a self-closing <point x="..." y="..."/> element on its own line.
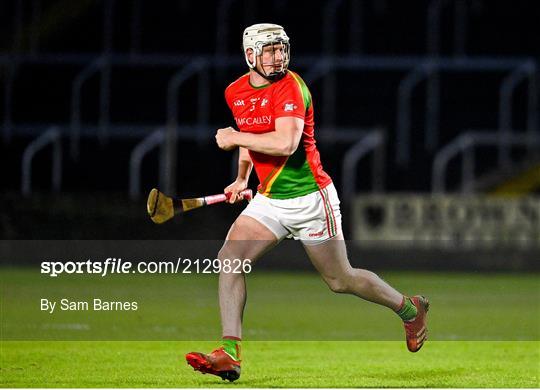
<point x="281" y="142"/>
<point x="245" y="165"/>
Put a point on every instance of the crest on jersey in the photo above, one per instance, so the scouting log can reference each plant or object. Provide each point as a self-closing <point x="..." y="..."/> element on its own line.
<point x="253" y="102"/>
<point x="288" y="107"/>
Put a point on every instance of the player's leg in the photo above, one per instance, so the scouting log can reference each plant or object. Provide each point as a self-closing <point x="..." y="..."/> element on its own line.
<point x="327" y="251"/>
<point x="331" y="260"/>
<point x="247" y="239"/>
<point x="253" y="233"/>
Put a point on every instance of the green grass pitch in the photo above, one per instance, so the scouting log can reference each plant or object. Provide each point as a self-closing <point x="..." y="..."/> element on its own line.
<point x="273" y="364"/>
<point x="484" y="332"/>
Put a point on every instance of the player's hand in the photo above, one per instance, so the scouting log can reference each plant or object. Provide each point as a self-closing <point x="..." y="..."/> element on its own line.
<point x="224" y="138"/>
<point x="234" y="188"/>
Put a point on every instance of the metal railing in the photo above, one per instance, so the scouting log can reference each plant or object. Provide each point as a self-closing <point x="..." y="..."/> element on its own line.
<point x="464" y="145"/>
<point x="527" y="71"/>
<point x="153" y="140"/>
<point x="373" y="141"/>
<point x="430" y="66"/>
<point x="522" y="69"/>
<point x="404" y="109"/>
<point x="51" y="136"/>
<point x="425" y="68"/>
<point x="197" y="66"/>
<point x="76" y="88"/>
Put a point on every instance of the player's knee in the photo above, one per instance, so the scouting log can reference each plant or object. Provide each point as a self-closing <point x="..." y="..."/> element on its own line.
<point x="222" y="254"/>
<point x="226" y="254"/>
<point x="338" y="285"/>
<point x="231" y="262"/>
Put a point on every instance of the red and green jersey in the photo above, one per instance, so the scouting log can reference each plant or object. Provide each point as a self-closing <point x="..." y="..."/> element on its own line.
<point x="255" y="110"/>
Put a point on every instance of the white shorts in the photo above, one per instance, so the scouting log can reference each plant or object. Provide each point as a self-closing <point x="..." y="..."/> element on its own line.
<point x="313" y="218"/>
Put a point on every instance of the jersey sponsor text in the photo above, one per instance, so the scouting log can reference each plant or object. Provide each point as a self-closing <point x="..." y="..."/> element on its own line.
<point x="258" y="120"/>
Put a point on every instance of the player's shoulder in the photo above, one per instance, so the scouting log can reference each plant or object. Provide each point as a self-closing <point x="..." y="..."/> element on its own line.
<point x="238" y="82"/>
<point x="294" y="87"/>
<point x="293" y="78"/>
<point x="297" y="79"/>
<point x="293" y="75"/>
<point x="293" y="81"/>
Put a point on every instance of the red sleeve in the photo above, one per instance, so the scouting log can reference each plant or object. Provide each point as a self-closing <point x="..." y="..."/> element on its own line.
<point x="227" y="97"/>
<point x="288" y="99"/>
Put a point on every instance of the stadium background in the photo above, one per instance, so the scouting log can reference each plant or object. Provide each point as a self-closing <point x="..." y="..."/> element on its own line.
<point x="99" y="76"/>
<point x="102" y="75"/>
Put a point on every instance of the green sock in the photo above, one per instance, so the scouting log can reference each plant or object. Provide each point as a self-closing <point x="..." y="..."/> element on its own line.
<point x="407" y="311"/>
<point x="232" y="346"/>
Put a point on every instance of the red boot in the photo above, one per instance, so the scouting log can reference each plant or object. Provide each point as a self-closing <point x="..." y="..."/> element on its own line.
<point x="416" y="329"/>
<point x="218" y="363"/>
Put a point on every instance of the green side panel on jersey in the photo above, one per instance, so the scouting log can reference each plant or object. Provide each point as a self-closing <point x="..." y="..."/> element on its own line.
<point x="306" y="95"/>
<point x="296" y="178"/>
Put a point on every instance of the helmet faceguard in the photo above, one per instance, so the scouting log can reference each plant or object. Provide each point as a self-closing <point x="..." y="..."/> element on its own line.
<point x="272" y="40"/>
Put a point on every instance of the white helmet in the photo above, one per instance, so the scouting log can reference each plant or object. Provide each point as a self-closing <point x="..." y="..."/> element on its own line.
<point x="259" y="35"/>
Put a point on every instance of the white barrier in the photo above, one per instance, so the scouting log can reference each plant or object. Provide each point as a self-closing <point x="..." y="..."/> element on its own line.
<point x="446" y="222"/>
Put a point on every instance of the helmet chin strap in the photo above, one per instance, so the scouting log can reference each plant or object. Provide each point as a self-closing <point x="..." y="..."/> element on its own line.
<point x="271" y="77"/>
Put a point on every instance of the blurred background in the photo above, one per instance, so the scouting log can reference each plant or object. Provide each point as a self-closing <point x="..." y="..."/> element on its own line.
<point x="427" y="118"/>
